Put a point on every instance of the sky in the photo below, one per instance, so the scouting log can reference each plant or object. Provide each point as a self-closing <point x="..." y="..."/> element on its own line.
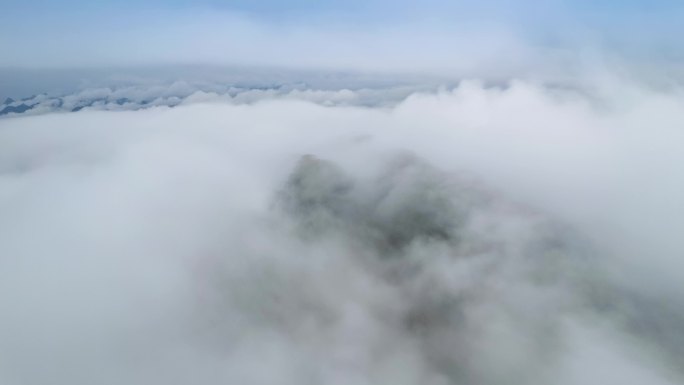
<point x="361" y="35"/>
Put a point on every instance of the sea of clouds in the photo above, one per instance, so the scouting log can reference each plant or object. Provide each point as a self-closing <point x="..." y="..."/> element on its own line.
<point x="473" y="234"/>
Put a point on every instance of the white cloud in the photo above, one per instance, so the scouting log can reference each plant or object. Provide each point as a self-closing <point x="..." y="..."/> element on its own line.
<point x="530" y="237"/>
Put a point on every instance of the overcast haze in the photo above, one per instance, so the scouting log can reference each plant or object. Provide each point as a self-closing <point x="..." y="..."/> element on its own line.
<point x="430" y="36"/>
<point x="341" y="192"/>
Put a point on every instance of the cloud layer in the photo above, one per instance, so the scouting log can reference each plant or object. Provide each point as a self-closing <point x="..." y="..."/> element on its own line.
<point x="517" y="234"/>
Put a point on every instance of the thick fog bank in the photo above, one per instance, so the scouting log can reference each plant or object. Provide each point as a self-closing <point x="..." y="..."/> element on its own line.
<point x="518" y="235"/>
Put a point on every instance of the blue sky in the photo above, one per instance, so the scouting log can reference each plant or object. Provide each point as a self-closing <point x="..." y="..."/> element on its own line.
<point x="376" y="8"/>
<point x="71" y="33"/>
